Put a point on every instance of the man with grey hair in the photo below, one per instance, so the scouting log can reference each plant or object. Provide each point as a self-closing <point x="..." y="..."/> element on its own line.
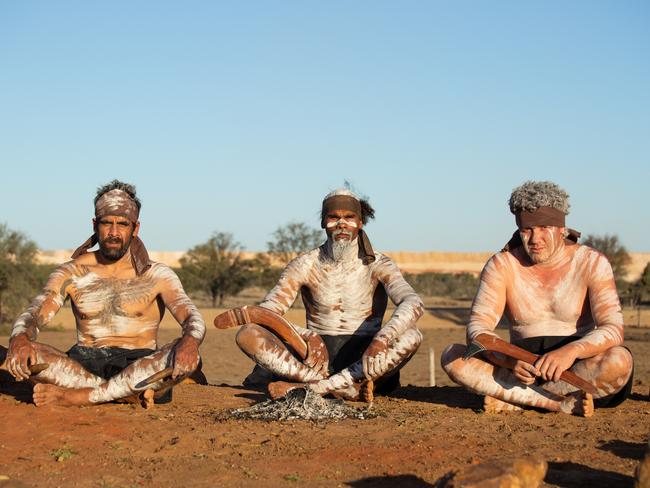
<point x="561" y="302"/>
<point x="118" y="298"/>
<point x="345" y="286"/>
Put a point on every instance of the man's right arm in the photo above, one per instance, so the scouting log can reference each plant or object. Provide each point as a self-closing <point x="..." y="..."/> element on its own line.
<point x="38" y="314"/>
<point x="286" y="290"/>
<point x="490" y="300"/>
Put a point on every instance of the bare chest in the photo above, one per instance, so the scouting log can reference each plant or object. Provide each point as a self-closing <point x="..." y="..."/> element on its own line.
<point x="342" y="288"/>
<point x="559" y="296"/>
<point x="94" y="296"/>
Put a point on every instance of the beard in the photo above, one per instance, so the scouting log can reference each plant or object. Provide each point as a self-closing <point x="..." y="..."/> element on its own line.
<point x="340" y="246"/>
<point x="114" y="253"/>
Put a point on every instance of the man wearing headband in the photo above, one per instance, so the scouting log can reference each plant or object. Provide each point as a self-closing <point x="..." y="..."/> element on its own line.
<point x="561" y="303"/>
<point x="118" y="298"/>
<point x="345" y="286"/>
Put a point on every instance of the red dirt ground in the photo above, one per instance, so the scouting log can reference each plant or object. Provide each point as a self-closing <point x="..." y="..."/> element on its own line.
<point x="422" y="433"/>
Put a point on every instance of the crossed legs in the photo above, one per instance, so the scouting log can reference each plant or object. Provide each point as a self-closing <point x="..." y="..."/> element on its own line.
<point x="66" y="382"/>
<point x="268" y="351"/>
<point x="608" y="372"/>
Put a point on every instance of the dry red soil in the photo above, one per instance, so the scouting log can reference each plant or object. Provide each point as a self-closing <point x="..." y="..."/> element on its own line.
<point x="421" y="433"/>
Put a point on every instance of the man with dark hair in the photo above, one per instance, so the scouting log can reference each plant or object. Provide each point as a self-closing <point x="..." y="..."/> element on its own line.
<point x="345" y="286"/>
<point x="561" y="302"/>
<point x="118" y="299"/>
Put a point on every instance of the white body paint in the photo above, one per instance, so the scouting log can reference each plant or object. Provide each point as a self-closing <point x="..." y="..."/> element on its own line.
<point x="339" y="295"/>
<point x="575" y="294"/>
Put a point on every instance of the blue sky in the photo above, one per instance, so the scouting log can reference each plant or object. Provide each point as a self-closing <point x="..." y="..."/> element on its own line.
<point x="241" y="116"/>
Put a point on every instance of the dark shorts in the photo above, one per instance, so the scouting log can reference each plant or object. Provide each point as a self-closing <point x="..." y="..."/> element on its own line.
<point x="543" y="344"/>
<point x="106" y="362"/>
<point x="345" y="350"/>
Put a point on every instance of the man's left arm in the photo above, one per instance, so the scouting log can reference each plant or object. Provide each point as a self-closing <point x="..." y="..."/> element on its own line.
<point x="409" y="308"/>
<point x="186" y="351"/>
<point x="607" y="315"/>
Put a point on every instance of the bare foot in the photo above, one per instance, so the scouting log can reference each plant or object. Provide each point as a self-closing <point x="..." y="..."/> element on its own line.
<point x="358" y="392"/>
<point x="578" y="403"/>
<point x="146" y="399"/>
<point x="279" y="389"/>
<point x="55" y="395"/>
<point x="494" y="405"/>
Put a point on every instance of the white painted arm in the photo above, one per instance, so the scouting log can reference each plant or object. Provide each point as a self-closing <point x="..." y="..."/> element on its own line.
<point x="409" y="305"/>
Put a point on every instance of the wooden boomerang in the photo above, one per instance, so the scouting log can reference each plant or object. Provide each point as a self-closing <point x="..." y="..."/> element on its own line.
<point x="252" y="314"/>
<point x="160" y="375"/>
<point x="33" y="369"/>
<point x="487" y="342"/>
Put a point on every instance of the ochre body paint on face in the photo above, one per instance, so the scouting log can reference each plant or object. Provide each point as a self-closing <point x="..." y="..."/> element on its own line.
<point x="542" y="243"/>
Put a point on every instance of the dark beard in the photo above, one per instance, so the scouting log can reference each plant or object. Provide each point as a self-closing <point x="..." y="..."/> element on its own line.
<point x="114" y="253"/>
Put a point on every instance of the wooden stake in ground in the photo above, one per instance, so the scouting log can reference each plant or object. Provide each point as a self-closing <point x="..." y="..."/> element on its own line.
<point x="432" y="367"/>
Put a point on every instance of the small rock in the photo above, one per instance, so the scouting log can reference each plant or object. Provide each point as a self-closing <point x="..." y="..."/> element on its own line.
<point x="503" y="473"/>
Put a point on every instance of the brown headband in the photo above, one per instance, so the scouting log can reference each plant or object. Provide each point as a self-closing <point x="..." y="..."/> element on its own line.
<point x="117" y="202"/>
<point x="539" y="217"/>
<point x="340" y="202"/>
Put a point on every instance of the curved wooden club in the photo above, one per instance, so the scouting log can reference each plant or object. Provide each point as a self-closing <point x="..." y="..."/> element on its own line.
<point x="33" y="368"/>
<point x="160" y="375"/>
<point x="252" y="314"/>
<point x="487" y="342"/>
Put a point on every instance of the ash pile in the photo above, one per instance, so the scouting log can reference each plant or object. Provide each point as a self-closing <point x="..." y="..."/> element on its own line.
<point x="300" y="403"/>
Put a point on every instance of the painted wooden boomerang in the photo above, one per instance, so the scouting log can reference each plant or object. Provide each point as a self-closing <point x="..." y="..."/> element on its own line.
<point x="160" y="375"/>
<point x="33" y="368"/>
<point x="252" y="314"/>
<point x="487" y="342"/>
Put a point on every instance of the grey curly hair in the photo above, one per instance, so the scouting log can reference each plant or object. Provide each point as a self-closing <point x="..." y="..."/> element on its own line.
<point x="534" y="194"/>
<point x="119" y="185"/>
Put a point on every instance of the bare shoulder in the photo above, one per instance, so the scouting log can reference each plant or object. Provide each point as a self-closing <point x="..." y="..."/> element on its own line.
<point x="160" y="272"/>
<point x="384" y="266"/>
<point x="86" y="259"/>
<point x="303" y="261"/>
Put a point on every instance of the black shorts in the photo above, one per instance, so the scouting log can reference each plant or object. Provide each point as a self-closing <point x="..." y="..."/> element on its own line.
<point x="344" y="350"/>
<point x="543" y="344"/>
<point x="106" y="362"/>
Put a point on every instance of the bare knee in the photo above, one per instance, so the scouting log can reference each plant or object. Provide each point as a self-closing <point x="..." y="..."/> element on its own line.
<point x="450" y="354"/>
<point x="615" y="362"/>
<point x="248" y="338"/>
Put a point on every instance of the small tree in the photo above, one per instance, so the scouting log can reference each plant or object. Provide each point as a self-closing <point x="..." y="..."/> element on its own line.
<point x="639" y="292"/>
<point x="616" y="253"/>
<point x="292" y="239"/>
<point x="19" y="273"/>
<point x="215" y="267"/>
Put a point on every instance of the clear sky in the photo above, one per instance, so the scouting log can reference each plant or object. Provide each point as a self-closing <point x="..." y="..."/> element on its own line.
<point x="241" y="116"/>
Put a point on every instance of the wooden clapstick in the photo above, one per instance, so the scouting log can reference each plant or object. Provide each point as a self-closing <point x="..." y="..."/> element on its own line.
<point x="160" y="375"/>
<point x="33" y="368"/>
<point x="487" y="342"/>
<point x="251" y="314"/>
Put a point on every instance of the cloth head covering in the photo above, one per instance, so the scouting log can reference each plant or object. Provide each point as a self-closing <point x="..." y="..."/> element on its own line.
<point x="337" y="200"/>
<point x="540" y="217"/>
<point x="118" y="202"/>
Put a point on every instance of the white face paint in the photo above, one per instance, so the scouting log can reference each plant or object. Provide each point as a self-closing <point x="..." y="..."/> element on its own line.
<point x="348" y="222"/>
<point x="542" y="243"/>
